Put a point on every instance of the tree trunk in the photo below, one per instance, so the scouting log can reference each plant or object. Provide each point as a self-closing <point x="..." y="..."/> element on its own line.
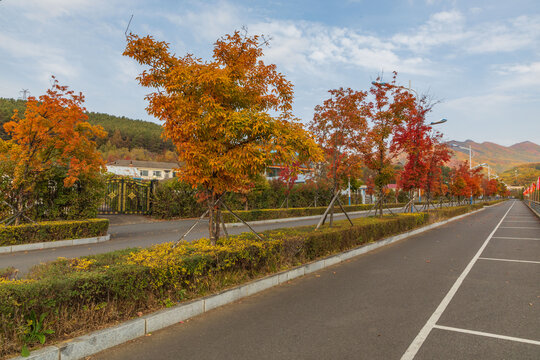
<point x="214" y="214"/>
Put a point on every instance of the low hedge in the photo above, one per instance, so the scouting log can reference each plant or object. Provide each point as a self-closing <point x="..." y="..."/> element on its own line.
<point x="267" y="214"/>
<point x="82" y="294"/>
<point x="52" y="231"/>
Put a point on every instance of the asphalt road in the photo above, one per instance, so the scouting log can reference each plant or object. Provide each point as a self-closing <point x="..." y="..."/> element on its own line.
<point x="466" y="290"/>
<point x="141" y="234"/>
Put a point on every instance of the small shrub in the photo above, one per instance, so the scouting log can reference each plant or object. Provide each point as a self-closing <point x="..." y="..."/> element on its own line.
<point x="52" y="231"/>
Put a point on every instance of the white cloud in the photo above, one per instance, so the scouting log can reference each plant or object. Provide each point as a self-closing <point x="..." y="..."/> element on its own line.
<point x="306" y="46"/>
<point x="441" y="28"/>
<point x="522" y="77"/>
<point x="451" y="28"/>
<point x="208" y="21"/>
<point x="39" y="58"/>
<point x="45" y="10"/>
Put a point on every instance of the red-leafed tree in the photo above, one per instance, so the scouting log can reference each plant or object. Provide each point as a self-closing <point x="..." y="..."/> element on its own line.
<point x="412" y="138"/>
<point x="387" y="108"/>
<point x="440" y="154"/>
<point x="490" y="187"/>
<point x="287" y="177"/>
<point x="466" y="181"/>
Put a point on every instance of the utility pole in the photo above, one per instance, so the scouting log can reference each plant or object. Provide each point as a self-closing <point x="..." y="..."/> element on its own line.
<point x="24" y="93"/>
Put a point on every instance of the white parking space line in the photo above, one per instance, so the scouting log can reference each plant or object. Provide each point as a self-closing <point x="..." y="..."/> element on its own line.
<point x="481" y="333"/>
<point x="522" y="221"/>
<point x="432" y="321"/>
<point x="519" y="227"/>
<point x="514" y="238"/>
<point x="511" y="260"/>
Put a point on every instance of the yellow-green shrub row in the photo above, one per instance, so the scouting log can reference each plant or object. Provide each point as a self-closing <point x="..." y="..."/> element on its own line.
<point x="52" y="231"/>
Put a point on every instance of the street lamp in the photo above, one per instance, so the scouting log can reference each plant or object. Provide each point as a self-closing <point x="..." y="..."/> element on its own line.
<point x="480" y="165"/>
<point x="442" y="121"/>
<point x="469" y="150"/>
<point x="470" y="161"/>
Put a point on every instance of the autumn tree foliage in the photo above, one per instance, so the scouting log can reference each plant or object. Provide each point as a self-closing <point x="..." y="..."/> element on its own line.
<point x="465" y="182"/>
<point x="338" y="126"/>
<point x="228" y="118"/>
<point x="387" y="108"/>
<point x="426" y="154"/>
<point x="440" y="154"/>
<point x="490" y="186"/>
<point x="287" y="177"/>
<point x="412" y="137"/>
<point x="52" y="137"/>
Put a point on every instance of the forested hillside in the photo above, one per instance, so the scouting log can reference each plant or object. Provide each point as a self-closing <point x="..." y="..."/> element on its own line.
<point x="522" y="175"/>
<point x="6" y="112"/>
<point x="126" y="138"/>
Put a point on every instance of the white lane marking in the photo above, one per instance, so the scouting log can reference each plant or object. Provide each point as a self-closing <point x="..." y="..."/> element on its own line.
<point x="514" y="238"/>
<point x="519" y="227"/>
<point x="481" y="333"/>
<point x="522" y="221"/>
<point x="511" y="260"/>
<point x="424" y="332"/>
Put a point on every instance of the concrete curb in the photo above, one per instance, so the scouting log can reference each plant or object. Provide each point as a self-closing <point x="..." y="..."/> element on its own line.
<point x="53" y="244"/>
<point x="100" y="340"/>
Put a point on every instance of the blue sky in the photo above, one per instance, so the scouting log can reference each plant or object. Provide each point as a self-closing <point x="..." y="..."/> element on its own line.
<point x="479" y="59"/>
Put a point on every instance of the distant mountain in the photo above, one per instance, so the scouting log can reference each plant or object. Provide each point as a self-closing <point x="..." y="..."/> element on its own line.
<point x="499" y="158"/>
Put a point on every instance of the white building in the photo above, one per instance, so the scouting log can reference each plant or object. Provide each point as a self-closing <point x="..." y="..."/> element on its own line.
<point x="143" y="170"/>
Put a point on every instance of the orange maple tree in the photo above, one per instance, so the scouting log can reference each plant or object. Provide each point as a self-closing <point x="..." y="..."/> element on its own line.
<point x="228" y="118"/>
<point x="53" y="134"/>
<point x="339" y="126"/>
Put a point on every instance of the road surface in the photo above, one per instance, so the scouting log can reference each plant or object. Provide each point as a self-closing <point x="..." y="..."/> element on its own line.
<point x="467" y="290"/>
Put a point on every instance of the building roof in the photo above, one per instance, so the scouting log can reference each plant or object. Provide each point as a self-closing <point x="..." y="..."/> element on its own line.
<point x="145" y="164"/>
<point x="123" y="170"/>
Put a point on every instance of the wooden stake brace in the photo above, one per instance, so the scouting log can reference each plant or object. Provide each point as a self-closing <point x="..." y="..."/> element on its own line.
<point x="10" y="219"/>
<point x="223" y="224"/>
<point x="197" y="222"/>
<point x="343" y="209"/>
<point x="242" y="220"/>
<point x="323" y="217"/>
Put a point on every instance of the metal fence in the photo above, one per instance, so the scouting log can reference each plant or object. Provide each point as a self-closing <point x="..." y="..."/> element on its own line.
<point x="534" y="205"/>
<point x="127" y="196"/>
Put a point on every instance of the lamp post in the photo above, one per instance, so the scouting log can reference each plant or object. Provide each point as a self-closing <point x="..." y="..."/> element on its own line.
<point x="470" y="161"/>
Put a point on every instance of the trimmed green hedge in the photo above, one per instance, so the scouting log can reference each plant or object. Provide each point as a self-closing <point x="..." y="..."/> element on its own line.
<point x="90" y="292"/>
<point x="52" y="231"/>
<point x="267" y="214"/>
